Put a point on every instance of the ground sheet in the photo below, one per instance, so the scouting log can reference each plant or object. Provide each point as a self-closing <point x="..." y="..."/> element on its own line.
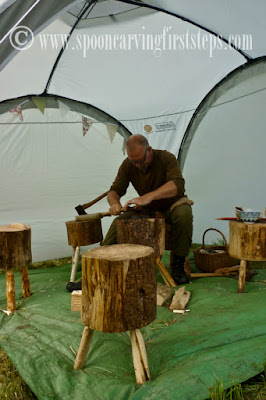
<point x="223" y="337"/>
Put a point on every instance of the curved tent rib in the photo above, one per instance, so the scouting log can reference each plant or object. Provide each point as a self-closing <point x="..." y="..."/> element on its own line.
<point x="206" y="105"/>
<point x="52" y="102"/>
<point x="185" y="19"/>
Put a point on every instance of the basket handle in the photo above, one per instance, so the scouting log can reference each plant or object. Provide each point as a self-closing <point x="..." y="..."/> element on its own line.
<point x="213" y="229"/>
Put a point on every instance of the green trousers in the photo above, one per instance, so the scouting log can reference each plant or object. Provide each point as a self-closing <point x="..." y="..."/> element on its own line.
<point x="181" y="221"/>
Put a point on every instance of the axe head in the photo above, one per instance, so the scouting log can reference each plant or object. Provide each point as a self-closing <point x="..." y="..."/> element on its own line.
<point x="80" y="210"/>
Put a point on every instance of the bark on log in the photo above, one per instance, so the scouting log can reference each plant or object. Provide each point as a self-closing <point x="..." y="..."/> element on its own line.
<point x="15" y="246"/>
<point x="83" y="233"/>
<point x="144" y="231"/>
<point x="247" y="241"/>
<point x="118" y="287"/>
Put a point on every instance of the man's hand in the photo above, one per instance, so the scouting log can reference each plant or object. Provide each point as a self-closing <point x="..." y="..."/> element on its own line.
<point x="115" y="209"/>
<point x="140" y="201"/>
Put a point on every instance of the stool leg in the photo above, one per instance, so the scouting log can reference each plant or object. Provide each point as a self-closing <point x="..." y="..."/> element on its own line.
<point x="165" y="274"/>
<point x="10" y="290"/>
<point x="75" y="259"/>
<point x="242" y="276"/>
<point x="25" y="280"/>
<point x="83" y="348"/>
<point x="139" y="355"/>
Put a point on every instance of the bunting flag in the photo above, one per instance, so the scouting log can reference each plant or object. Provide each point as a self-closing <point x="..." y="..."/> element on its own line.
<point x="86" y="124"/>
<point x="112" y="129"/>
<point x="63" y="108"/>
<point x="17" y="111"/>
<point x="39" y="103"/>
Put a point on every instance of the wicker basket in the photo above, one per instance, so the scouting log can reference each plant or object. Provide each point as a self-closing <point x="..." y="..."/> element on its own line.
<point x="209" y="262"/>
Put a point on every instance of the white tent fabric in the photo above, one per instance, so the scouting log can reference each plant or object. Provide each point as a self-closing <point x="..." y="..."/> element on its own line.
<point x="153" y="67"/>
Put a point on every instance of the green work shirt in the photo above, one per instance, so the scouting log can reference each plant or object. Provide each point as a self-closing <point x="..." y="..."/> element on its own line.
<point x="163" y="168"/>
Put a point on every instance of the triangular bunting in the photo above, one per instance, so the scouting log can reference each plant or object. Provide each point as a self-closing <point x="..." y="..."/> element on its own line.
<point x="112" y="129"/>
<point x="39" y="103"/>
<point x="17" y="111"/>
<point x="86" y="124"/>
<point x="63" y="108"/>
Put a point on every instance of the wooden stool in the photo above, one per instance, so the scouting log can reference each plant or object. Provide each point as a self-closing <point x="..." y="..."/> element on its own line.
<point x="247" y="242"/>
<point x="118" y="295"/>
<point x="15" y="252"/>
<point x="147" y="232"/>
<point x="82" y="233"/>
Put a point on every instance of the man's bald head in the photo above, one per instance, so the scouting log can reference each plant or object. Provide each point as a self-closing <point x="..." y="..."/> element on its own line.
<point x="135" y="141"/>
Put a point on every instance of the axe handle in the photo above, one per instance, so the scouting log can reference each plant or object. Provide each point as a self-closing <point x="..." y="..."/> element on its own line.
<point x="87" y="205"/>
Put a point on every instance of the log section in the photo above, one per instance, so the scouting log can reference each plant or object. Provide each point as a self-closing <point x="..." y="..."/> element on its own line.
<point x="247" y="241"/>
<point x="118" y="287"/>
<point x="15" y="246"/>
<point x="144" y="231"/>
<point x="84" y="233"/>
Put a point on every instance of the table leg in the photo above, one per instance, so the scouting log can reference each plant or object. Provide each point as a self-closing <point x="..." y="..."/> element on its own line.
<point x="242" y="276"/>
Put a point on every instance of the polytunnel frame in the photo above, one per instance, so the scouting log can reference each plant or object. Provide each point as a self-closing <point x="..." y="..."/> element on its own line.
<point x="207" y="103"/>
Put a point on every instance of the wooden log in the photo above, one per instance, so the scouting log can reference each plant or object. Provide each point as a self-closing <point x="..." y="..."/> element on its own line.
<point x="26" y="290"/>
<point x="83" y="348"/>
<point x="10" y="290"/>
<point x="15" y="246"/>
<point x="180" y="299"/>
<point x="247" y="241"/>
<point x="76" y="300"/>
<point x="118" y="287"/>
<point x="84" y="233"/>
<point x="164" y="292"/>
<point x="144" y="231"/>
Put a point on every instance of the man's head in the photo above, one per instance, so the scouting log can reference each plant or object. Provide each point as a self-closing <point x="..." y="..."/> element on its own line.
<point x="139" y="152"/>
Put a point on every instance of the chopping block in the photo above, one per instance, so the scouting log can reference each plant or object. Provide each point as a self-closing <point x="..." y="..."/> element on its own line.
<point x="247" y="242"/>
<point x="15" y="252"/>
<point x="118" y="295"/>
<point x="82" y="233"/>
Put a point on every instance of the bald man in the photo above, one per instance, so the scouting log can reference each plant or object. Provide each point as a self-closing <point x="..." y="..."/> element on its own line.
<point x="157" y="178"/>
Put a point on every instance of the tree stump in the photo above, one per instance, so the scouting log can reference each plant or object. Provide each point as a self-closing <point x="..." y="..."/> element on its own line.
<point x="82" y="233"/>
<point x="118" y="287"/>
<point x="147" y="232"/>
<point x="15" y="252"/>
<point x="118" y="294"/>
<point x="144" y="231"/>
<point x="248" y="243"/>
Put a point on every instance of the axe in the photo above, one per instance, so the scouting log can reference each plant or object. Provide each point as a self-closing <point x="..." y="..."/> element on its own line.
<point x="81" y="208"/>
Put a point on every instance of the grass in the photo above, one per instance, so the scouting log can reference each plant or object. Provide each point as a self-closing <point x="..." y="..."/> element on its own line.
<point x="12" y="386"/>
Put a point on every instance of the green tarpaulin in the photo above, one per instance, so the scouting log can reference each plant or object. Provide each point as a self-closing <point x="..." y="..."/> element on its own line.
<point x="223" y="337"/>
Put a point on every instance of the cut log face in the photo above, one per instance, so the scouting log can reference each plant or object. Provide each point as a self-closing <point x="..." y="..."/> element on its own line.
<point x="118" y="287"/>
<point x="83" y="233"/>
<point x="15" y="246"/>
<point x="144" y="231"/>
<point x="247" y="241"/>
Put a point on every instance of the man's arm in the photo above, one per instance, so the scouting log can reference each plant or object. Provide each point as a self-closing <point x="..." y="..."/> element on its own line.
<point x="169" y="189"/>
<point x="113" y="199"/>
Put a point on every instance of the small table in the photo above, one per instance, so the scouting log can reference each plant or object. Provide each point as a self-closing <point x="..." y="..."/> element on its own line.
<point x="247" y="242"/>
